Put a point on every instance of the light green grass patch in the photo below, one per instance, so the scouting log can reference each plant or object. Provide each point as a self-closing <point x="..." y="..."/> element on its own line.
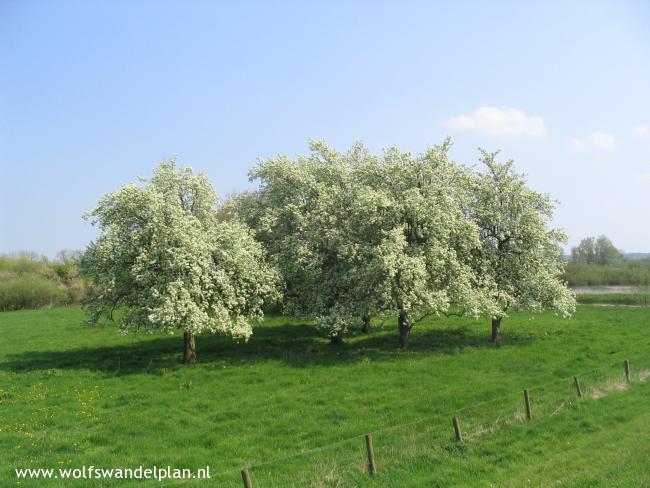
<point x="73" y="395"/>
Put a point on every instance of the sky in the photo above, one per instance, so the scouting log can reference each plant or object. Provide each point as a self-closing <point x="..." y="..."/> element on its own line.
<point x="95" y="94"/>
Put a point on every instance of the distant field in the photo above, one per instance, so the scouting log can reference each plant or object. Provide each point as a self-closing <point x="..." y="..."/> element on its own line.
<point x="73" y="396"/>
<point x="635" y="299"/>
<point x="612" y="295"/>
<point x="605" y="290"/>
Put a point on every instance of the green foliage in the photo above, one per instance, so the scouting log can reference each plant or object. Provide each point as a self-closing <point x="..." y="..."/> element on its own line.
<point x="23" y="265"/>
<point x="635" y="272"/>
<point x="596" y="251"/>
<point x="73" y="396"/>
<point x="29" y="291"/>
<point x="33" y="283"/>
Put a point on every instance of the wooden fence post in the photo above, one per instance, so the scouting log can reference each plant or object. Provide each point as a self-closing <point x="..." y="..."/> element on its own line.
<point x="457" y="431"/>
<point x="372" y="468"/>
<point x="527" y="402"/>
<point x="247" y="478"/>
<point x="578" y="389"/>
<point x="626" y="366"/>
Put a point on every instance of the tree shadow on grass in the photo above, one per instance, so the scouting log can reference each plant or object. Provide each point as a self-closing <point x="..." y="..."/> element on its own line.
<point x="297" y="345"/>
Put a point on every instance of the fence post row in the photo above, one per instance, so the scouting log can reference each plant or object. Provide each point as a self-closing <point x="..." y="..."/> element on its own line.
<point x="372" y="468"/>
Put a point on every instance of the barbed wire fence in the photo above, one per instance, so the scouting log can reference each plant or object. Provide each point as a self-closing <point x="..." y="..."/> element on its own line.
<point x="369" y="452"/>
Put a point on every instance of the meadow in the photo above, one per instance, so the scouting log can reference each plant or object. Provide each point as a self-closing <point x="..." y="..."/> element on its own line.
<point x="293" y="409"/>
<point x="635" y="299"/>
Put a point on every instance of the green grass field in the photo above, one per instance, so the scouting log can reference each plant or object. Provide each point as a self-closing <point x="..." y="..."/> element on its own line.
<point x="294" y="409"/>
<point x="638" y="299"/>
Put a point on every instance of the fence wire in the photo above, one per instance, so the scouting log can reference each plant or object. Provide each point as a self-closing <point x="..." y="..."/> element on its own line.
<point x="397" y="443"/>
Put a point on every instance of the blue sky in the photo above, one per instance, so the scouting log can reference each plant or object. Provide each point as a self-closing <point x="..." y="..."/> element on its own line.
<point x="94" y="94"/>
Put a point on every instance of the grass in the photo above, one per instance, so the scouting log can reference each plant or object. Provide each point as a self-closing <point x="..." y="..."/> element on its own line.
<point x="588" y="444"/>
<point x="72" y="395"/>
<point x="639" y="299"/>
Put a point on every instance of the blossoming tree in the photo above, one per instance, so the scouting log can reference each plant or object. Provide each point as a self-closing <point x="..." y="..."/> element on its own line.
<point x="519" y="252"/>
<point x="424" y="246"/>
<point x="170" y="263"/>
<point x="304" y="214"/>
<point x="356" y="235"/>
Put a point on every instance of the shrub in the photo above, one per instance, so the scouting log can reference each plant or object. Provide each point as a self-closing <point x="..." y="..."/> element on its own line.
<point x="33" y="283"/>
<point x="29" y="291"/>
<point x="629" y="272"/>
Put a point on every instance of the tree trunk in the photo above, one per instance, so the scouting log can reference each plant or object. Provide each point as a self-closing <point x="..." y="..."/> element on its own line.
<point x="404" y="330"/>
<point x="337" y="339"/>
<point x="189" y="351"/>
<point x="365" y="328"/>
<point x="496" y="329"/>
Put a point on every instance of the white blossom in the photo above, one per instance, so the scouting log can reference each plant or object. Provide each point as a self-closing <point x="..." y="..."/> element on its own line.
<point x="166" y="258"/>
<point x="520" y="253"/>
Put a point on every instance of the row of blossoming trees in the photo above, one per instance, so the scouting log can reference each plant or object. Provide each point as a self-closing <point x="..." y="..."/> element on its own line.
<point x="337" y="237"/>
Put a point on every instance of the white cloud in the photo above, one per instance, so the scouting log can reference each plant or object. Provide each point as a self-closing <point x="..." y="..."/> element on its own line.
<point x="597" y="140"/>
<point x="645" y="176"/>
<point x="642" y="130"/>
<point x="499" y="121"/>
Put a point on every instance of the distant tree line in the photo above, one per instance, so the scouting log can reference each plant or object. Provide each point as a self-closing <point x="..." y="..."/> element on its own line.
<point x="599" y="250"/>
<point x="597" y="262"/>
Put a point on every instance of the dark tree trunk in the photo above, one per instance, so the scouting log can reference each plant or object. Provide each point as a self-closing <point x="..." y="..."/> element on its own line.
<point x="496" y="329"/>
<point x="189" y="351"/>
<point x="404" y="330"/>
<point x="365" y="328"/>
<point x="337" y="340"/>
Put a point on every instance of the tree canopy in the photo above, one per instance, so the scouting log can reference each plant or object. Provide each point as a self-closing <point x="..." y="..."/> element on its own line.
<point x="170" y="263"/>
<point x="342" y="236"/>
<point x="521" y="256"/>
<point x="422" y="244"/>
<point x="355" y="235"/>
<point x="305" y="215"/>
<point x="599" y="250"/>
